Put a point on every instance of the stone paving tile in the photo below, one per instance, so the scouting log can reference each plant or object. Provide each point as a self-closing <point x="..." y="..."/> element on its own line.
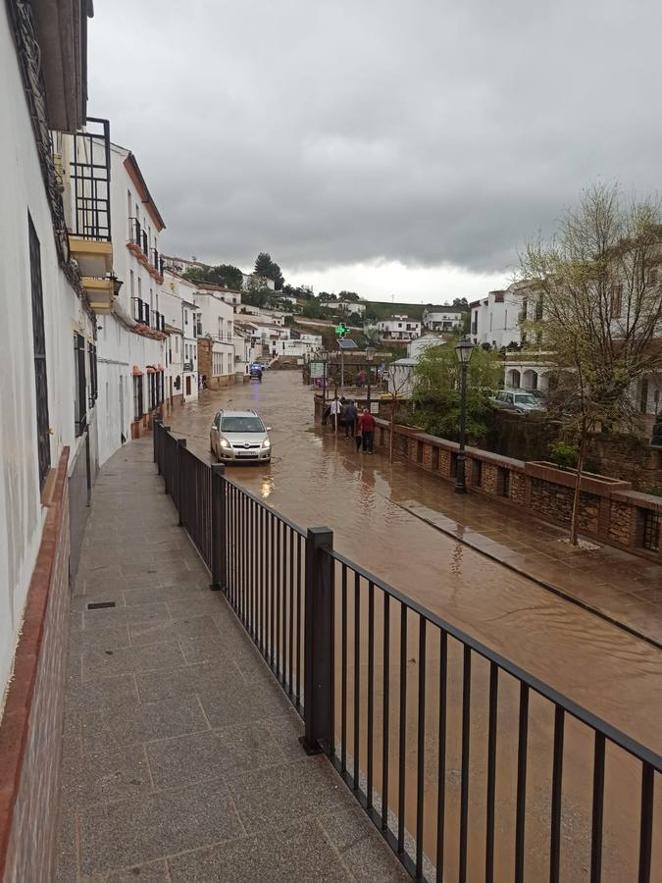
<point x="159" y="594"/>
<point x="197" y="604"/>
<point x="135" y="723"/>
<point x="194" y="628"/>
<point x="362" y="848"/>
<point x="123" y="833"/>
<point x="110" y="638"/>
<point x="299" y="789"/>
<point x="237" y="701"/>
<point x="209" y="755"/>
<point x="299" y="852"/>
<point x="101" y="693"/>
<point x="125" y="660"/>
<point x="105" y="774"/>
<point x="154" y="872"/>
<point x="171" y="683"/>
<point x="110" y="616"/>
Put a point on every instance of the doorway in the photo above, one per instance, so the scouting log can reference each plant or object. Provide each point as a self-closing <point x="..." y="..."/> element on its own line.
<point x="188" y="384"/>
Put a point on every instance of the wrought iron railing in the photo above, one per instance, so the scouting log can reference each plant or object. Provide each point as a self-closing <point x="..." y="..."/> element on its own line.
<point x="469" y="766"/>
<point x="90" y="175"/>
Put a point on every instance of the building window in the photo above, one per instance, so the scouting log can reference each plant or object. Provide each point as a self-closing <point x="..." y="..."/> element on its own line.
<point x="92" y="353"/>
<point x="137" y="397"/>
<point x="435" y="459"/>
<point x="185" y="317"/>
<point x="616" y="299"/>
<point x="39" y="356"/>
<point x="80" y="405"/>
<point x="643" y="395"/>
<point x="651" y="523"/>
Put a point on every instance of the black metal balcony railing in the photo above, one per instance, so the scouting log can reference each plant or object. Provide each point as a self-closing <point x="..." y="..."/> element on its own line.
<point x="429" y="728"/>
<point x="90" y="175"/>
<point x="136" y="232"/>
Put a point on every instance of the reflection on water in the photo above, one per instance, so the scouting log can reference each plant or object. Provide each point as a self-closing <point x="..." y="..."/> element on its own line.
<point x="317" y="478"/>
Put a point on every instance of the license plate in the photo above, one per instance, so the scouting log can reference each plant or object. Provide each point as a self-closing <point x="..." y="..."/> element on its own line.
<point x="246" y="453"/>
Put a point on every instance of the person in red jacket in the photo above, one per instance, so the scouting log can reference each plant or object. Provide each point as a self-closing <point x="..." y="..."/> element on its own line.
<point x="367" y="428"/>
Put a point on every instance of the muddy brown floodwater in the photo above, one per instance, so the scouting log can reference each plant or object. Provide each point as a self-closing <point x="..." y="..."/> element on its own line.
<point x="316" y="479"/>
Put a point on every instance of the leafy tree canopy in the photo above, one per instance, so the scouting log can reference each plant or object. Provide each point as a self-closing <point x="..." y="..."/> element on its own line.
<point x="223" y="274"/>
<point x="264" y="266"/>
<point x="437" y="391"/>
<point x="348" y="295"/>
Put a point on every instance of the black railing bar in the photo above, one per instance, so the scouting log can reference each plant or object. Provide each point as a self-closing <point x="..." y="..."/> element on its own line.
<point x="268" y="508"/>
<point x="627" y="743"/>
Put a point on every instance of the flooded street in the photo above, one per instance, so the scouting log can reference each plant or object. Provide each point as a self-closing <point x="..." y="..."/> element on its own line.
<point x="317" y="479"/>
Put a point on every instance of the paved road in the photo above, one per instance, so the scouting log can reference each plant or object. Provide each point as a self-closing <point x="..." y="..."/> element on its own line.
<point x="317" y="479"/>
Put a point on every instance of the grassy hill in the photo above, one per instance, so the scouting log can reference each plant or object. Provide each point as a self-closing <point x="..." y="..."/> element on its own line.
<point x="379" y="309"/>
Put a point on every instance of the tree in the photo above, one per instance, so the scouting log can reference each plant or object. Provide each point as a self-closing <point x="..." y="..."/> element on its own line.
<point x="223" y="274"/>
<point x="348" y="295"/>
<point x="461" y="302"/>
<point x="264" y="266"/>
<point x="599" y="311"/>
<point x="436" y="393"/>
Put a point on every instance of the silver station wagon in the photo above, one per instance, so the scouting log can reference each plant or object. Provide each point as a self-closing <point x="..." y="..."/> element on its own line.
<point x="240" y="436"/>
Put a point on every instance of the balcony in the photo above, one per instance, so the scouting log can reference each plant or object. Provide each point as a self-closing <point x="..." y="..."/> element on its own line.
<point x="100" y="292"/>
<point x="89" y="228"/>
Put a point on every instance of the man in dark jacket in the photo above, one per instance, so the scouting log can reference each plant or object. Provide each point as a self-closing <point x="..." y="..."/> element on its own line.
<point x="350" y="414"/>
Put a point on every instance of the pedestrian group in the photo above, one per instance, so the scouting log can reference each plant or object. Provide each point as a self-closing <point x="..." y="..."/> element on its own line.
<point x="359" y="426"/>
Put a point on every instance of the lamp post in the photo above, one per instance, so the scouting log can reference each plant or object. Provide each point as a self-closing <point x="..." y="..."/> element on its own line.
<point x="369" y="355"/>
<point x="464" y="350"/>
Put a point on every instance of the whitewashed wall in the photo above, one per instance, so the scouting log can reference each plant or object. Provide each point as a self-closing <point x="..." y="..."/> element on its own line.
<point x="22" y="192"/>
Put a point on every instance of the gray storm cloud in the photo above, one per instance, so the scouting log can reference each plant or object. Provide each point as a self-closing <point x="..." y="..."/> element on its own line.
<point x="421" y="131"/>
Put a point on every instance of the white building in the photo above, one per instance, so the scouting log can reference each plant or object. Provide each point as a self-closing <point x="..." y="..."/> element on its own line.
<point x="303" y="345"/>
<point x="174" y="290"/>
<point x="215" y="332"/>
<point x="190" y="356"/>
<point x="347" y="307"/>
<point x="495" y="319"/>
<point x="417" y="347"/>
<point x="48" y="397"/>
<point x="244" y="351"/>
<point x="253" y="282"/>
<point x="444" y="319"/>
<point x="398" y="328"/>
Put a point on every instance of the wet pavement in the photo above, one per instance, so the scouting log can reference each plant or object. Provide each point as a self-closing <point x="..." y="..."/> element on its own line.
<point x="181" y="756"/>
<point x="380" y="514"/>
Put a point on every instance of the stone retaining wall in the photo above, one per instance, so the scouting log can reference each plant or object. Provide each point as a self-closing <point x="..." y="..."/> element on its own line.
<point x="610" y="511"/>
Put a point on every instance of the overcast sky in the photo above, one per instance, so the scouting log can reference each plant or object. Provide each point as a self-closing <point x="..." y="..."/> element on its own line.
<point x="404" y="149"/>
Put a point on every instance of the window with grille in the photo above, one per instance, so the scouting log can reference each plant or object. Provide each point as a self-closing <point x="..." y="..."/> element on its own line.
<point x="651" y="522"/>
<point x="39" y="356"/>
<point x="94" y="392"/>
<point x="138" y="397"/>
<point x="80" y="403"/>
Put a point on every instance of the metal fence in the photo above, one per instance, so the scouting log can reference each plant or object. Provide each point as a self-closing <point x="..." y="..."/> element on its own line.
<point x="471" y="768"/>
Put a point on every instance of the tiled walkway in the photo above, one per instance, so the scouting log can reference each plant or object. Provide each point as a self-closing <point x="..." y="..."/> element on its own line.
<point x="181" y="757"/>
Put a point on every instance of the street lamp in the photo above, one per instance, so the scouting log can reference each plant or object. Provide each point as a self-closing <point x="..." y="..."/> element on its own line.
<point x="464" y="351"/>
<point x="323" y="357"/>
<point x="369" y="356"/>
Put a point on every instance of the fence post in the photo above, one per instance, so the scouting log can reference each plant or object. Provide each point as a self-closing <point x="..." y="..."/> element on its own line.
<point x="181" y="443"/>
<point x="155" y="439"/>
<point x="318" y="643"/>
<point x="163" y="467"/>
<point x="218" y="514"/>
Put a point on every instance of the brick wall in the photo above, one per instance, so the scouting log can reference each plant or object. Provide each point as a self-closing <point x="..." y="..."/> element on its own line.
<point x="609" y="510"/>
<point x="31" y="728"/>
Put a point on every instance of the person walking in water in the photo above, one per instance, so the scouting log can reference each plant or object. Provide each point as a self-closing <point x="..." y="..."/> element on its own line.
<point x="350" y="417"/>
<point x="367" y="428"/>
<point x="335" y="409"/>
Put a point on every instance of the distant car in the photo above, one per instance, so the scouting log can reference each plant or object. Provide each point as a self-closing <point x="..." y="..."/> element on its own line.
<point x="517" y="401"/>
<point x="240" y="436"/>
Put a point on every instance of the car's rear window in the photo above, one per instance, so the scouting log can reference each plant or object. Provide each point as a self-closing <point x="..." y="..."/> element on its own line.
<point x="242" y="424"/>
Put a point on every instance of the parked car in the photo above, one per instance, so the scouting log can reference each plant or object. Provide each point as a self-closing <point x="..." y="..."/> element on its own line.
<point x="519" y="401"/>
<point x="240" y="436"/>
